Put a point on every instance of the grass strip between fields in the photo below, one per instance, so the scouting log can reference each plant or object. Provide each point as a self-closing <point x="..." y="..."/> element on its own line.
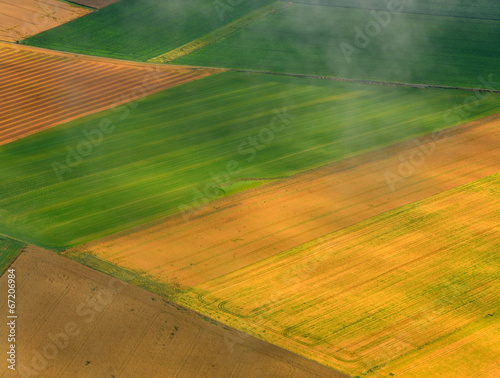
<point x="136" y="278"/>
<point x="141" y="29"/>
<point x="220" y="33"/>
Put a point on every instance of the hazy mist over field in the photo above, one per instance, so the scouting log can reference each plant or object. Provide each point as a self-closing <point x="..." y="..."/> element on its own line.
<point x="383" y="40"/>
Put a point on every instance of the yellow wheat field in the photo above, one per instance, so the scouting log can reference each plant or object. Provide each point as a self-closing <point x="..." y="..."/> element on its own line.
<point x="412" y="292"/>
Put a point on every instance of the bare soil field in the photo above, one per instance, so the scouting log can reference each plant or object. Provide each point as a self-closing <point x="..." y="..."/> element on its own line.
<point x="43" y="89"/>
<point x="98" y="4"/>
<point x="409" y="293"/>
<point x="20" y="19"/>
<point x="73" y="321"/>
<point x="229" y="234"/>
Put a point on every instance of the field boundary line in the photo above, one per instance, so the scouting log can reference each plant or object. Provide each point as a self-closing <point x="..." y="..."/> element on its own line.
<point x="168" y="67"/>
<point x="99" y="59"/>
<point x="76" y="4"/>
<point x="368" y="82"/>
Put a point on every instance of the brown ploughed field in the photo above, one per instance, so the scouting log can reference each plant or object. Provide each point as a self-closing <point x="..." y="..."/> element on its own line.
<point x="86" y="324"/>
<point x="20" y="19"/>
<point x="43" y="89"/>
<point x="245" y="228"/>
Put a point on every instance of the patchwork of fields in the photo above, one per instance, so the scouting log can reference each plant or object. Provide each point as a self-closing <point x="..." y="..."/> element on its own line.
<point x="45" y="89"/>
<point x="229" y="234"/>
<point x="142" y="29"/>
<point x="20" y="19"/>
<point x="166" y="149"/>
<point x="306" y="180"/>
<point x="388" y="296"/>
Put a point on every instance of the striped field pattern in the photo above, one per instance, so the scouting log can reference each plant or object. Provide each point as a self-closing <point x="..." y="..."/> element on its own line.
<point x="44" y="89"/>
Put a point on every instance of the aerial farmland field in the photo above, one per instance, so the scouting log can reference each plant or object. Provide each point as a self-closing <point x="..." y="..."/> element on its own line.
<point x="376" y="299"/>
<point x="457" y="8"/>
<point x="249" y="188"/>
<point x="45" y="89"/>
<point x="230" y="233"/>
<point x="141" y="29"/>
<point x="23" y="18"/>
<point x="177" y="145"/>
<point x="395" y="47"/>
<point x="85" y="313"/>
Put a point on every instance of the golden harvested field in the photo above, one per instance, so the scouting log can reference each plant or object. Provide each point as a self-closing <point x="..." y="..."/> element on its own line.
<point x="43" y="89"/>
<point x="20" y="19"/>
<point x="409" y="293"/>
<point x="246" y="228"/>
<point x="85" y="324"/>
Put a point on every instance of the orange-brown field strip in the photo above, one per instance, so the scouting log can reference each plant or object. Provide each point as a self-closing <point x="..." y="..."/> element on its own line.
<point x="42" y="89"/>
<point x="20" y="19"/>
<point x="75" y="322"/>
<point x="242" y="229"/>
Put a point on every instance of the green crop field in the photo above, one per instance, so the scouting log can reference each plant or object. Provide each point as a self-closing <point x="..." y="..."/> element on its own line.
<point x="361" y="44"/>
<point x="73" y="183"/>
<point x="141" y="29"/>
<point x="485" y="9"/>
<point x="9" y="250"/>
